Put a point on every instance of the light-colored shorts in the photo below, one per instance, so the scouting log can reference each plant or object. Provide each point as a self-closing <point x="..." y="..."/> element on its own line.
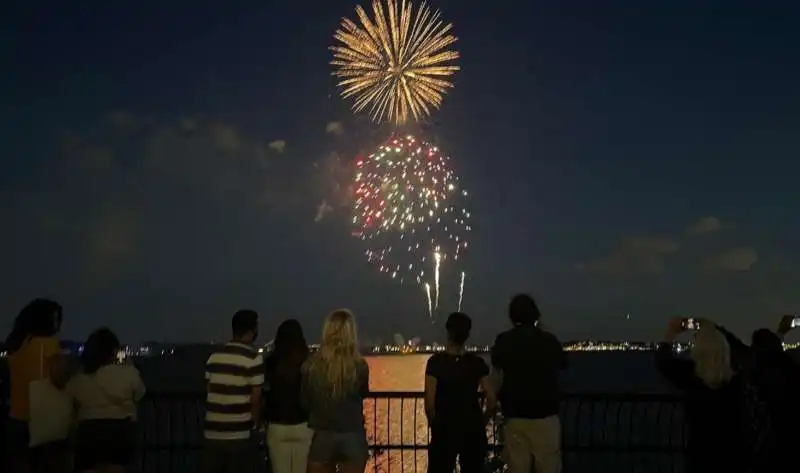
<point x="339" y="447"/>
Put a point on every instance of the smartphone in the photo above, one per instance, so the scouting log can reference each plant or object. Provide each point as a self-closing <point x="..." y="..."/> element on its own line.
<point x="690" y="323"/>
<point x="796" y="321"/>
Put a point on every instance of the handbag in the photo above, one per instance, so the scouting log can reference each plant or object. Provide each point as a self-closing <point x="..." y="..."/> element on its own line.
<point x="51" y="409"/>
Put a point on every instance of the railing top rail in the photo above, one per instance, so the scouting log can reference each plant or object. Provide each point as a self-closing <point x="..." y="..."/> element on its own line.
<point x="577" y="396"/>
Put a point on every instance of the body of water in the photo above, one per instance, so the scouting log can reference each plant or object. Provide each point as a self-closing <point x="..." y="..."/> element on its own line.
<point x="609" y="372"/>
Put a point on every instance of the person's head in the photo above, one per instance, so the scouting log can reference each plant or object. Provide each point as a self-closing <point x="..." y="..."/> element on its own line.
<point x="458" y="326"/>
<point x="100" y="349"/>
<point x="712" y="357"/>
<point x="244" y="325"/>
<point x="39" y="318"/>
<point x="339" y="334"/>
<point x="523" y="310"/>
<point x="336" y="365"/>
<point x="290" y="344"/>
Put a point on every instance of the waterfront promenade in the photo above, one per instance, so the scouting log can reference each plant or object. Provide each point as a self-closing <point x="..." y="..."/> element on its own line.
<point x="618" y="433"/>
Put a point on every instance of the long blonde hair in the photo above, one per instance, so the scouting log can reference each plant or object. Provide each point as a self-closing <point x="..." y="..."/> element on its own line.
<point x="336" y="365"/>
<point x="712" y="357"/>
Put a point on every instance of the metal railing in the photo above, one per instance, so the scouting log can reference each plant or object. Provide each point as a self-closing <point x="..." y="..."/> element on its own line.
<point x="601" y="433"/>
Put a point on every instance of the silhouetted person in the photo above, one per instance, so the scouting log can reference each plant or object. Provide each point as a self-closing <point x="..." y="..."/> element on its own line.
<point x="288" y="435"/>
<point x="530" y="360"/>
<point x="106" y="394"/>
<point x="34" y="353"/>
<point x="335" y="383"/>
<point x="714" y="399"/>
<point x="235" y="377"/>
<point x="778" y="377"/>
<point x="452" y="403"/>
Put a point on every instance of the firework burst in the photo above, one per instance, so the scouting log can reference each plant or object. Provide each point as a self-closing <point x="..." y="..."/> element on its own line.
<point x="409" y="211"/>
<point x="397" y="63"/>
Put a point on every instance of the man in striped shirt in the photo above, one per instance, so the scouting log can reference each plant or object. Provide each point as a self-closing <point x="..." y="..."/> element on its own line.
<point x="234" y="374"/>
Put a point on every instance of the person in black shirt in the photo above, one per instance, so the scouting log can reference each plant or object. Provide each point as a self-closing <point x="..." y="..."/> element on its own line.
<point x="288" y="435"/>
<point x="453" y="405"/>
<point x="530" y="360"/>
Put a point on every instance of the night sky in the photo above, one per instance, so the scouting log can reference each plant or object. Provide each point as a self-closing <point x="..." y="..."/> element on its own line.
<point x="164" y="165"/>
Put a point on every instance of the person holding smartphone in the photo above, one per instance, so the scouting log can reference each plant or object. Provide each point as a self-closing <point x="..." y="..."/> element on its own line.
<point x="713" y="398"/>
<point x="777" y="376"/>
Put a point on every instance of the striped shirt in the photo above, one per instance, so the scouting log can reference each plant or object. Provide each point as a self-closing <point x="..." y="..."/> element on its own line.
<point x="231" y="373"/>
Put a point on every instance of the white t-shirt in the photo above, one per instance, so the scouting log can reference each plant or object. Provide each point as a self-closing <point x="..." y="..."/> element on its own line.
<point x="110" y="393"/>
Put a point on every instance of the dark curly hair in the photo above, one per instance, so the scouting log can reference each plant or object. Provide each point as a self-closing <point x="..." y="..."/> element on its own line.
<point x="40" y="318"/>
<point x="99" y="350"/>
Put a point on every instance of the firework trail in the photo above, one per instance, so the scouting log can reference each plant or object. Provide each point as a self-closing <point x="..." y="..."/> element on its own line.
<point x="437" y="258"/>
<point x="461" y="291"/>
<point x="430" y="301"/>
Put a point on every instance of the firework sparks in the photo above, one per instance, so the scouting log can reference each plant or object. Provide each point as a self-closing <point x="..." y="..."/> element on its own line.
<point x="409" y="212"/>
<point x="461" y="291"/>
<point x="396" y="63"/>
<point x="430" y="301"/>
<point x="437" y="263"/>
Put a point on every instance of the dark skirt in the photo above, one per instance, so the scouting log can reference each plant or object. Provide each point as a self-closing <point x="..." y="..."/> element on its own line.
<point x="104" y="442"/>
<point x="51" y="457"/>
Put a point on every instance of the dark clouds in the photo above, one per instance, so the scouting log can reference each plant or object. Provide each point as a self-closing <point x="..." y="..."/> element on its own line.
<point x="132" y="196"/>
<point x="711" y="268"/>
<point x="705" y="225"/>
<point x="634" y="256"/>
<point x="649" y="255"/>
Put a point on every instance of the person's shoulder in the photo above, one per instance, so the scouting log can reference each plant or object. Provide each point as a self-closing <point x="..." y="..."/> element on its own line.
<point x="437" y="359"/>
<point x="507" y="336"/>
<point x="242" y="350"/>
<point x="128" y="370"/>
<point x="550" y="336"/>
<point x="476" y="359"/>
<point x="504" y="334"/>
<point x="436" y="356"/>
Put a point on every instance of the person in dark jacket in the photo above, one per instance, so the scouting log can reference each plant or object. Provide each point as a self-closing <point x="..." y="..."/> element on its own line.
<point x="453" y="405"/>
<point x="777" y="377"/>
<point x="713" y="399"/>
<point x="288" y="435"/>
<point x="530" y="360"/>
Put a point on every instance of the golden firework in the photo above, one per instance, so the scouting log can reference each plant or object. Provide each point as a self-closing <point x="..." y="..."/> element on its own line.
<point x="395" y="63"/>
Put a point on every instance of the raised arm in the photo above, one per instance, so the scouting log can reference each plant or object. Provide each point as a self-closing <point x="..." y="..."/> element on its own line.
<point x="740" y="352"/>
<point x="785" y="326"/>
<point x="679" y="372"/>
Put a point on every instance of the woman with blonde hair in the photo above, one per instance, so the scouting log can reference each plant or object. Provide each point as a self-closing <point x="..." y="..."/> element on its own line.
<point x="335" y="381"/>
<point x="714" y="399"/>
